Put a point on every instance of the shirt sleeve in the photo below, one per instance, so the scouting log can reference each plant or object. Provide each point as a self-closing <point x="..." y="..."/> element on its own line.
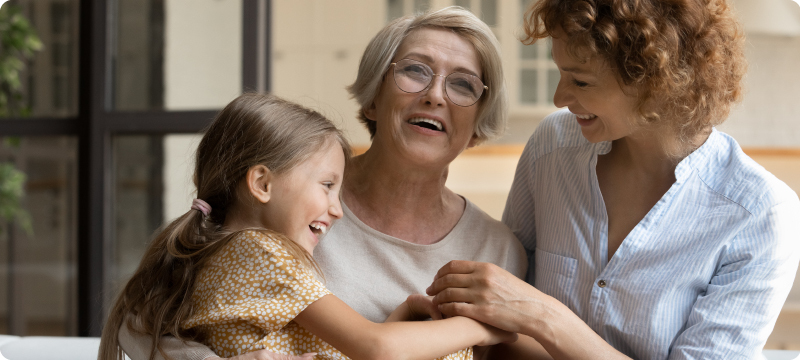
<point x="518" y="214"/>
<point x="257" y="282"/>
<point x="736" y="314"/>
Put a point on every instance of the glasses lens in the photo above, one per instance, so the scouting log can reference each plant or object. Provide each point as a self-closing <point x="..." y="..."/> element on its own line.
<point x="412" y="76"/>
<point x="463" y="89"/>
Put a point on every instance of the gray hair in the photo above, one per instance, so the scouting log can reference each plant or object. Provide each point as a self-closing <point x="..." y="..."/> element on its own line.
<point x="491" y="118"/>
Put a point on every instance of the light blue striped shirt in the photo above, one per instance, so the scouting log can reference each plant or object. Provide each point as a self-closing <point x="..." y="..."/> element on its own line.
<point x="702" y="276"/>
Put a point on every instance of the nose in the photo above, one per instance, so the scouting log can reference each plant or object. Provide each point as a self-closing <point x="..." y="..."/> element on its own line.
<point x="435" y="93"/>
<point x="335" y="208"/>
<point x="563" y="97"/>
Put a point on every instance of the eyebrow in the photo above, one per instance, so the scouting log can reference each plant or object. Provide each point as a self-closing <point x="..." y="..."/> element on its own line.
<point x="576" y="70"/>
<point x="430" y="60"/>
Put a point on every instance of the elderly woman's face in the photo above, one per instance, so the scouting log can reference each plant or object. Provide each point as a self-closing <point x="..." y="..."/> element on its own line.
<point x="427" y="127"/>
<point x="591" y="91"/>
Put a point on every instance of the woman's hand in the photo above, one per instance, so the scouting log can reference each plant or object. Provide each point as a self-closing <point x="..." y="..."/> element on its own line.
<point x="487" y="293"/>
<point x="266" y="355"/>
<point x="491" y="295"/>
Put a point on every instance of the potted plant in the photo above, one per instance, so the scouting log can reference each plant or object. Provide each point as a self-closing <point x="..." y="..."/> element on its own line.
<point x="18" y="43"/>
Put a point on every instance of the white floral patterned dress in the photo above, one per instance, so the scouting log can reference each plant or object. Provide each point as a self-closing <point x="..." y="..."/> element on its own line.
<point x="248" y="295"/>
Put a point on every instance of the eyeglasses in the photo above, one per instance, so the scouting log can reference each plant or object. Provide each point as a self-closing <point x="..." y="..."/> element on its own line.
<point x="462" y="89"/>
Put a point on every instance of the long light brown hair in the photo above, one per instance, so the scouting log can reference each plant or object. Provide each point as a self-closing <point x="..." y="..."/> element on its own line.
<point x="254" y="129"/>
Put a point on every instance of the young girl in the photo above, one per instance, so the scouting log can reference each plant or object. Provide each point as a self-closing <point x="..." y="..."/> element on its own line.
<point x="236" y="271"/>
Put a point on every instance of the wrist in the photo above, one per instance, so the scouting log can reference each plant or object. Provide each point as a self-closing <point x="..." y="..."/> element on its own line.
<point x="544" y="321"/>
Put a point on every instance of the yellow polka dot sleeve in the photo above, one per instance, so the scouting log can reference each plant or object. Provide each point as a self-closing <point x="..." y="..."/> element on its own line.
<point x="248" y="295"/>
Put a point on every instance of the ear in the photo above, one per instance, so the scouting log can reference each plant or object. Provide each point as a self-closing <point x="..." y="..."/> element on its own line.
<point x="474" y="141"/>
<point x="259" y="183"/>
<point x="369" y="112"/>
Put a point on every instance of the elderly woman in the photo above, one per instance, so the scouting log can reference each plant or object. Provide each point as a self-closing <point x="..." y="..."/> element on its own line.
<point x="651" y="234"/>
<point x="429" y="87"/>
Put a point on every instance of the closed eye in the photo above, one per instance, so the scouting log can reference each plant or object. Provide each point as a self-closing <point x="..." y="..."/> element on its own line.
<point x="329" y="184"/>
<point x="579" y="84"/>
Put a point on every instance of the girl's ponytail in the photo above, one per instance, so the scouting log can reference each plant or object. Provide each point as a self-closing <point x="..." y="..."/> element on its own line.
<point x="155" y="299"/>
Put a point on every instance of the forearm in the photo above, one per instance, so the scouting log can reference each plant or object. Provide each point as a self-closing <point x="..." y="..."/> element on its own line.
<point x="401" y="313"/>
<point x="526" y="348"/>
<point x="428" y="339"/>
<point x="564" y="335"/>
<point x="337" y="324"/>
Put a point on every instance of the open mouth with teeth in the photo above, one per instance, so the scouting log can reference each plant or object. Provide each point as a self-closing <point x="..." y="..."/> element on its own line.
<point x="318" y="229"/>
<point x="426" y="123"/>
<point x="586" y="116"/>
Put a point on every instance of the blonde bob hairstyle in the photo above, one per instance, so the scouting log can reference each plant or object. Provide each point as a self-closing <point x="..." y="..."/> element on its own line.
<point x="491" y="119"/>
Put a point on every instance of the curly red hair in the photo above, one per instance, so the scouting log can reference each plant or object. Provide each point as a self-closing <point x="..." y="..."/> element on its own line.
<point x="684" y="57"/>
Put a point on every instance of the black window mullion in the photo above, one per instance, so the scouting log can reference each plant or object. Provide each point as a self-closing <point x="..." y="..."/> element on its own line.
<point x="40" y="126"/>
<point x="96" y="125"/>
<point x="158" y="122"/>
<point x="93" y="164"/>
<point x="256" y="37"/>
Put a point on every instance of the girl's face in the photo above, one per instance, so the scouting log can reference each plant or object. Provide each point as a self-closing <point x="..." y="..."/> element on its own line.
<point x="591" y="91"/>
<point x="304" y="201"/>
<point x="427" y="127"/>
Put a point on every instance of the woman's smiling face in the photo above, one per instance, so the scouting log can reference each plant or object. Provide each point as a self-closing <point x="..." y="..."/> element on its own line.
<point x="426" y="127"/>
<point x="590" y="89"/>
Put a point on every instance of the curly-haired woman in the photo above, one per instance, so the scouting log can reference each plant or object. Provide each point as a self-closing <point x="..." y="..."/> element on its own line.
<point x="651" y="235"/>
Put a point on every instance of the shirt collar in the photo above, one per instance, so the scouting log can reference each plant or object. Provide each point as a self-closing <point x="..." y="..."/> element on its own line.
<point x="698" y="160"/>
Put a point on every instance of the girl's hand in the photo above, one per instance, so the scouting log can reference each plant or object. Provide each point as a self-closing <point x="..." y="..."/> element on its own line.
<point x="421" y="307"/>
<point x="416" y="307"/>
<point x="496" y="336"/>
<point x="266" y="355"/>
<point x="489" y="294"/>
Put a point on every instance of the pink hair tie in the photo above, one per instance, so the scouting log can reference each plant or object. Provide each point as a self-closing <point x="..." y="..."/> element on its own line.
<point x="201" y="206"/>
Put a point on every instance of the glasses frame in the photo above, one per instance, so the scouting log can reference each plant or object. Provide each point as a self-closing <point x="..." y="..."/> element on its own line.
<point x="394" y="78"/>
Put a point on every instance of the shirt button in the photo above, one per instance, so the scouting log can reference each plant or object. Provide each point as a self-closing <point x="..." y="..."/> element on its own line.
<point x="601" y="283"/>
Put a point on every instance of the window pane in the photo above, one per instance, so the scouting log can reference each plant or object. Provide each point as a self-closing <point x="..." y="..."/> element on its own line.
<point x="421" y="5"/>
<point x="528" y="51"/>
<point x="175" y="54"/>
<point x="39" y="264"/>
<point x="151" y="186"/>
<point x="463" y="3"/>
<point x="49" y="83"/>
<point x="528" y="86"/>
<point x="394" y="9"/>
<point x="489" y="12"/>
<point x="553" y="76"/>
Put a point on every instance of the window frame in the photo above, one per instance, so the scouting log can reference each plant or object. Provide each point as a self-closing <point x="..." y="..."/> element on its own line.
<point x="95" y="125"/>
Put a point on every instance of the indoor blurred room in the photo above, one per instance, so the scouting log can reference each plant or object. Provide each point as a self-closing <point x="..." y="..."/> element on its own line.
<point x="113" y="100"/>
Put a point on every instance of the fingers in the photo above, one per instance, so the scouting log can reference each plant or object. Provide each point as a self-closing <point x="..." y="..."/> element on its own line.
<point x="422" y="307"/>
<point x="451" y="281"/>
<point x="457" y="267"/>
<point x="512" y="338"/>
<point x="460" y="295"/>
<point x="463" y="309"/>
